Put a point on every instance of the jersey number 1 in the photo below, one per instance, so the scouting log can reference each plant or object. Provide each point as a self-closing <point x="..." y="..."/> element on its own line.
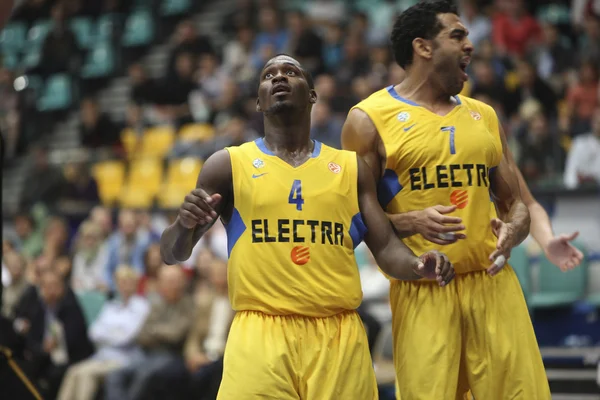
<point x="296" y="195"/>
<point x="452" y="130"/>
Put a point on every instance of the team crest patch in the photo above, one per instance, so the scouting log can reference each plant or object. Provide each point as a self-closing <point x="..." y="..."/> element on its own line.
<point x="476" y="116"/>
<point x="258" y="163"/>
<point x="403" y="116"/>
<point x="335" y="168"/>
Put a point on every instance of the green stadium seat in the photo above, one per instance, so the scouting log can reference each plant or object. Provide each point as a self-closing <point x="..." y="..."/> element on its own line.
<point x="32" y="57"/>
<point x="107" y="26"/>
<point x="519" y="261"/>
<point x="91" y="304"/>
<point x="557" y="288"/>
<point x="169" y="8"/>
<point x="13" y="37"/>
<point x="84" y="28"/>
<point x="57" y="94"/>
<point x="139" y="29"/>
<point x="10" y="61"/>
<point x="38" y="33"/>
<point x="100" y="61"/>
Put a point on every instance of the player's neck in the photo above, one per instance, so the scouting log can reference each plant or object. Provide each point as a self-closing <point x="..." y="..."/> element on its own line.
<point x="422" y="89"/>
<point x="288" y="137"/>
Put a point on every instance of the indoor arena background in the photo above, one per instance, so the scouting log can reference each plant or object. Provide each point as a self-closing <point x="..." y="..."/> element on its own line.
<point x="108" y="107"/>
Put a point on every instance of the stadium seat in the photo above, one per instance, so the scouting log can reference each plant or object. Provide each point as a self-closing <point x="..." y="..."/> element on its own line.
<point x="157" y="141"/>
<point x="383" y="357"/>
<point x="132" y="197"/>
<point x="10" y="61"/>
<point x="139" y="29"/>
<point x="83" y="28"/>
<point x="171" y="197"/>
<point x="107" y="25"/>
<point x="100" y="62"/>
<point x="130" y="141"/>
<point x="170" y="8"/>
<point x="184" y="173"/>
<point x="519" y="261"/>
<point x="13" y="37"/>
<point x="145" y="175"/>
<point x="37" y="33"/>
<point x="557" y="288"/>
<point x="91" y="304"/>
<point x="110" y="176"/>
<point x="57" y="93"/>
<point x="195" y="132"/>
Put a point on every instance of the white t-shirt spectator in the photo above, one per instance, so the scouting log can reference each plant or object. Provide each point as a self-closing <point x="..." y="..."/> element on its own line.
<point x="583" y="160"/>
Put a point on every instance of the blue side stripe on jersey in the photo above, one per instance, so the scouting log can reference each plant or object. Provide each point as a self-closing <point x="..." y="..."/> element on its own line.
<point x="261" y="145"/>
<point x="490" y="177"/>
<point x="235" y="228"/>
<point x="358" y="229"/>
<point x="389" y="186"/>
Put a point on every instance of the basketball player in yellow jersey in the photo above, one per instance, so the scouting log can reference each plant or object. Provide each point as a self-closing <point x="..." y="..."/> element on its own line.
<point x="430" y="148"/>
<point x="294" y="210"/>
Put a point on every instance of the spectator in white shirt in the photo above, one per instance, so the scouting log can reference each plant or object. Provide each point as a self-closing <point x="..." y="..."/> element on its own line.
<point x="583" y="160"/>
<point x="114" y="334"/>
<point x="90" y="259"/>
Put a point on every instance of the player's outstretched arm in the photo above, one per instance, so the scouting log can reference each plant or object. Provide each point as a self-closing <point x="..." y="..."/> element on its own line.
<point x="557" y="248"/>
<point x="513" y="225"/>
<point x="212" y="198"/>
<point x="391" y="254"/>
<point x="360" y="135"/>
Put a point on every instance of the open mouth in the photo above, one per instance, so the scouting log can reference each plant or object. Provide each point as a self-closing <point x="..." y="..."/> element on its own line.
<point x="280" y="88"/>
<point x="464" y="63"/>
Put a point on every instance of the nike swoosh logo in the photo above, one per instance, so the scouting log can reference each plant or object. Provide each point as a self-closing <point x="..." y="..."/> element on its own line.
<point x="408" y="128"/>
<point x="254" y="176"/>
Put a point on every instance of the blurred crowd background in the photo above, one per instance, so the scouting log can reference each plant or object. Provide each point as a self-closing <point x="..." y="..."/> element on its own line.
<point x="108" y="109"/>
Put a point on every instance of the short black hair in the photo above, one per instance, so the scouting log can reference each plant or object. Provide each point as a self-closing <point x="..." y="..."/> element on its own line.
<point x="307" y="75"/>
<point x="418" y="21"/>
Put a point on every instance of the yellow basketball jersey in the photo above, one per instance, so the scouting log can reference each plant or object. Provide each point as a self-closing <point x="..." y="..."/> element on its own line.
<point x="446" y="160"/>
<point x="293" y="231"/>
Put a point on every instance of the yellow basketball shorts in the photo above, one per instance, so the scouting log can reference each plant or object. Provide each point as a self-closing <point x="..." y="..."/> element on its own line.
<point x="473" y="334"/>
<point x="296" y="357"/>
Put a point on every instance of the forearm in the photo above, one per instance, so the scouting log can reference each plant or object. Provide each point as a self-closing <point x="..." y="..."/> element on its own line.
<point x="397" y="260"/>
<point x="403" y="224"/>
<point x="541" y="227"/>
<point x="519" y="219"/>
<point x="177" y="242"/>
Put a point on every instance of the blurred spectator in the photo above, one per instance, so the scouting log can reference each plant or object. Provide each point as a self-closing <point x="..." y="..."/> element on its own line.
<point x="148" y="284"/>
<point x="323" y="11"/>
<point x="15" y="265"/>
<point x="32" y="10"/>
<point x="187" y="41"/>
<point x="237" y="56"/>
<point x="477" y="24"/>
<point x="57" y="337"/>
<point x="304" y="43"/>
<point x="355" y="62"/>
<point x="582" y="99"/>
<point x="554" y="56"/>
<point x="56" y="237"/>
<point x="333" y="47"/>
<point x="541" y="155"/>
<point x="113" y="333"/>
<point x="380" y="59"/>
<point x="531" y="86"/>
<point x="583" y="160"/>
<point x="9" y="116"/>
<point x="271" y="39"/>
<point x="80" y="194"/>
<point x="143" y="89"/>
<point x="60" y="51"/>
<point x="243" y="15"/>
<point x="514" y="30"/>
<point x="487" y="83"/>
<point x="64" y="266"/>
<point x="326" y="89"/>
<point x="102" y="216"/>
<point x="212" y="78"/>
<point x="161" y="339"/>
<point x="175" y="92"/>
<point x="588" y="44"/>
<point x="44" y="183"/>
<point x="29" y="234"/>
<point x="126" y="246"/>
<point x="97" y="129"/>
<point x="90" y="259"/>
<point x="325" y="127"/>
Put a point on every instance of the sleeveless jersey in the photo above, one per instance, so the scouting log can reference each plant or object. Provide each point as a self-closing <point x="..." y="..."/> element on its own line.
<point x="446" y="160"/>
<point x="293" y="231"/>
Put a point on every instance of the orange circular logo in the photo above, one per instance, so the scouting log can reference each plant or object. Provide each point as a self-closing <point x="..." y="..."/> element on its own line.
<point x="476" y="116"/>
<point x="300" y="255"/>
<point x="333" y="167"/>
<point x="459" y="198"/>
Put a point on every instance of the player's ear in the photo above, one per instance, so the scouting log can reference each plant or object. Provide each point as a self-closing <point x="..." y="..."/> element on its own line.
<point x="312" y="96"/>
<point x="258" y="109"/>
<point x="423" y="47"/>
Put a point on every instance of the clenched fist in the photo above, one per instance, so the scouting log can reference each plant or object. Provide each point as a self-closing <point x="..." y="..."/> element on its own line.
<point x="435" y="265"/>
<point x="198" y="209"/>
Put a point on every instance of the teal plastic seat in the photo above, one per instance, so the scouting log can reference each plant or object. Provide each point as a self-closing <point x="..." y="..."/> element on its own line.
<point x="13" y="38"/>
<point x="91" y="304"/>
<point x="557" y="288"/>
<point x="32" y="57"/>
<point x="84" y="31"/>
<point x="57" y="94"/>
<point x="169" y="8"/>
<point x="38" y="32"/>
<point x="519" y="261"/>
<point x="100" y="61"/>
<point x="139" y="29"/>
<point x="107" y="25"/>
<point x="10" y="60"/>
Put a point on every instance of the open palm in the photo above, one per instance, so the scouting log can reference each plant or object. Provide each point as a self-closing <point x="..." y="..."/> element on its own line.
<point x="562" y="253"/>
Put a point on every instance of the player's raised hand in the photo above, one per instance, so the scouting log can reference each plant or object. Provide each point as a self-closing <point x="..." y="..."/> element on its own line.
<point x="562" y="253"/>
<point x="435" y="265"/>
<point x="435" y="226"/>
<point x="197" y="208"/>
<point x="504" y="233"/>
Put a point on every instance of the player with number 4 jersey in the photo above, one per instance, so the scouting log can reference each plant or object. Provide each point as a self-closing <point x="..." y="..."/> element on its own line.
<point x="294" y="211"/>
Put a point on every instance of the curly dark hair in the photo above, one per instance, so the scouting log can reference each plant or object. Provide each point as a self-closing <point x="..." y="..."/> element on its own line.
<point x="418" y="21"/>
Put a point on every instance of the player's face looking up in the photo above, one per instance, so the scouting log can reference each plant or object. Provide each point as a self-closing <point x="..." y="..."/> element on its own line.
<point x="284" y="87"/>
<point x="450" y="52"/>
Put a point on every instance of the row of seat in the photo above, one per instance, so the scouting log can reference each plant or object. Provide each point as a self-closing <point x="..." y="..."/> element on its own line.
<point x="158" y="141"/>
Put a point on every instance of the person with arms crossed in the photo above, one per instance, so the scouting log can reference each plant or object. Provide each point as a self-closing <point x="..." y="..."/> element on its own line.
<point x="294" y="211"/>
<point x="427" y="146"/>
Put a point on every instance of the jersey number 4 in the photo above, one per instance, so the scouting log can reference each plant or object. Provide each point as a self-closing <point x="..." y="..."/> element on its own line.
<point x="296" y="195"/>
<point x="452" y="130"/>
